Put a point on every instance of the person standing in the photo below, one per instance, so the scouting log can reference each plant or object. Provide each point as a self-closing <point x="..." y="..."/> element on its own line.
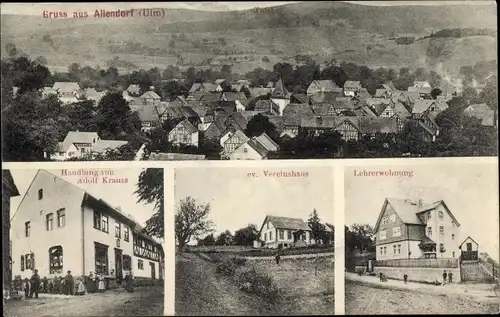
<point x="27" y="290"/>
<point x="101" y="283"/>
<point x="405" y="278"/>
<point x="444" y="277"/>
<point x="45" y="285"/>
<point x="69" y="284"/>
<point x="80" y="286"/>
<point x="129" y="282"/>
<point x="35" y="284"/>
<point x="450" y="277"/>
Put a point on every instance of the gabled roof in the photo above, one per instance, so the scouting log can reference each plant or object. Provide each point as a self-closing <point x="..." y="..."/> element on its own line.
<point x="322" y="109"/>
<point x="421" y="105"/>
<point x="188" y="112"/>
<point x="8" y="182"/>
<point x="483" y="112"/>
<point x="323" y="85"/>
<point x="266" y="106"/>
<point x="381" y="92"/>
<point x="267" y="142"/>
<point x="280" y="91"/>
<point x="145" y="113"/>
<point x="78" y="137"/>
<point x="204" y="87"/>
<point x="352" y="84"/>
<point x="372" y="125"/>
<point x="150" y="95"/>
<point x="134" y="88"/>
<point x="219" y="81"/>
<point x="406" y="210"/>
<point x="188" y="126"/>
<point x="260" y="91"/>
<point x="287" y="223"/>
<point x="378" y="104"/>
<point x="258" y="147"/>
<point x="401" y="111"/>
<point x="435" y="204"/>
<point x="468" y="238"/>
<point x="233" y="96"/>
<point x="345" y="103"/>
<point x="325" y="97"/>
<point x="66" y="87"/>
<point x="195" y="95"/>
<point x="300" y="98"/>
<point x="211" y="97"/>
<point x="239" y="134"/>
<point x="293" y="113"/>
<point x="421" y="83"/>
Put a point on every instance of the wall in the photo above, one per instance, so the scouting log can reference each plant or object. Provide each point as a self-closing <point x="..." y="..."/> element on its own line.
<point x="57" y="194"/>
<point x="146" y="271"/>
<point x="418" y="274"/>
<point x="240" y="154"/>
<point x="474" y="271"/>
<point x="450" y="243"/>
<point x="265" y="231"/>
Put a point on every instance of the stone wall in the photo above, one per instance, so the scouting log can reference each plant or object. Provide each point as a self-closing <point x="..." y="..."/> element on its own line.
<point x="418" y="274"/>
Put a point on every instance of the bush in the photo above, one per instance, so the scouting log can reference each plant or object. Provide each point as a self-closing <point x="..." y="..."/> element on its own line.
<point x="228" y="266"/>
<point x="251" y="281"/>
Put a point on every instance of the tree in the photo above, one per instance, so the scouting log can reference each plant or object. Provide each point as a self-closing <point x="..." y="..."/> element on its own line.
<point x="150" y="190"/>
<point x="210" y="148"/>
<point x="224" y="239"/>
<point x="225" y="72"/>
<point x="191" y="221"/>
<point x="246" y="236"/>
<point x="317" y="228"/>
<point x="260" y="124"/>
<point x="208" y="240"/>
<point x="113" y="115"/>
<point x="265" y="59"/>
<point x="364" y="235"/>
<point x="435" y="93"/>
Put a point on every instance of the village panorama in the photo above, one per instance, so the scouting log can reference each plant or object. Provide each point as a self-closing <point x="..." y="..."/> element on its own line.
<point x="284" y="104"/>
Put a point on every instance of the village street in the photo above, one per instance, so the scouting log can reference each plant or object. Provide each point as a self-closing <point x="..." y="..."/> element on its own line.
<point x="144" y="301"/>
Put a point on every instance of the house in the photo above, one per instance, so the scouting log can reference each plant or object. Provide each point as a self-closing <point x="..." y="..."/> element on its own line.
<point x="299" y="98"/>
<point x="280" y="96"/>
<point x="421" y="84"/>
<point x="268" y="143"/>
<point x="78" y="144"/>
<point x="382" y="107"/>
<point x="422" y="106"/>
<point x="423" y="92"/>
<point x="250" y="150"/>
<point x="231" y="141"/>
<point x="401" y="114"/>
<point x="351" y="88"/>
<point x="469" y="250"/>
<point x="9" y="190"/>
<point x="430" y="129"/>
<point x="343" y="104"/>
<point x="347" y="126"/>
<point x="238" y="98"/>
<point x="267" y="106"/>
<point x="482" y="112"/>
<point x="134" y="90"/>
<point x="292" y="116"/>
<point x="324" y="97"/>
<point x="260" y="91"/>
<point x="94" y="95"/>
<point x="285" y="232"/>
<point x="57" y="220"/>
<point x="150" y="97"/>
<point x="203" y="87"/>
<point x="321" y="86"/>
<point x="407" y="229"/>
<point x="184" y="133"/>
<point x="66" y="89"/>
<point x="148" y="115"/>
<point x="371" y="126"/>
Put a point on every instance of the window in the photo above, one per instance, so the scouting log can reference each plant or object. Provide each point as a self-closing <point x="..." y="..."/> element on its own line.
<point x="56" y="259"/>
<point x="289" y="235"/>
<point x="453" y="236"/>
<point x="140" y="264"/>
<point x="27" y="229"/>
<point x="429" y="231"/>
<point x="441" y="216"/>
<point x="40" y="194"/>
<point x="399" y="248"/>
<point x="127" y="262"/>
<point x="22" y="262"/>
<point x="393" y="218"/>
<point x="265" y="236"/>
<point x="385" y="250"/>
<point x="453" y="254"/>
<point x="101" y="258"/>
<point x="394" y="249"/>
<point x="441" y="231"/>
<point x="61" y="217"/>
<point x="396" y="231"/>
<point x="282" y="234"/>
<point x="381" y="250"/>
<point x="429" y="216"/>
<point x="303" y="237"/>
<point x="49" y="223"/>
<point x="382" y="234"/>
<point x="97" y="220"/>
<point x="118" y="230"/>
<point x="271" y="236"/>
<point x="29" y="261"/>
<point x="104" y="226"/>
<point x="126" y="234"/>
<point x="245" y="150"/>
<point x="441" y="247"/>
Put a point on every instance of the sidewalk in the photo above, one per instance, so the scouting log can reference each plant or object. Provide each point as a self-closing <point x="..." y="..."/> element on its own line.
<point x="483" y="292"/>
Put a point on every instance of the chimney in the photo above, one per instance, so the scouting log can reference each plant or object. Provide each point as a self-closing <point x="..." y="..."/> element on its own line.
<point x="420" y="203"/>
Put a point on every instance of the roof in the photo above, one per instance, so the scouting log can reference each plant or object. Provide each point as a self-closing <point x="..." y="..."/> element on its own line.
<point x="288" y="223"/>
<point x="188" y="112"/>
<point x="323" y="85"/>
<point x="325" y="97"/>
<point x="389" y="86"/>
<point x="381" y="92"/>
<point x="219" y="81"/>
<point x="195" y="95"/>
<point x="204" y="87"/>
<point x="258" y="147"/>
<point x="326" y="122"/>
<point x="133" y="88"/>
<point x="344" y="103"/>
<point x="280" y="91"/>
<point x="293" y="113"/>
<point x="407" y="210"/>
<point x="400" y="110"/>
<point x="421" y="83"/>
<point x="378" y="104"/>
<point x="240" y="134"/>
<point x="150" y="95"/>
<point x="421" y="105"/>
<point x="233" y="96"/>
<point x="66" y="87"/>
<point x="188" y="125"/>
<point x="8" y="182"/>
<point x="78" y="137"/>
<point x="322" y="109"/>
<point x="266" y="106"/>
<point x="482" y="112"/>
<point x="102" y="145"/>
<point x="352" y="84"/>
<point x="260" y="91"/>
<point x="372" y="125"/>
<point x="211" y="97"/>
<point x="267" y="142"/>
<point x="175" y="157"/>
<point x="300" y="98"/>
<point x="427" y="241"/>
<point x="145" y="112"/>
<point x="420" y="90"/>
<point x="468" y="238"/>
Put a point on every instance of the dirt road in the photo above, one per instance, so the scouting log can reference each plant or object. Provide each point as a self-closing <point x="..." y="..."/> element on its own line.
<point x="144" y="301"/>
<point x="200" y="291"/>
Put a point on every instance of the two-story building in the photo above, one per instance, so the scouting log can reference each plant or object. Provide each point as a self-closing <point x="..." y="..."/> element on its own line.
<point x="59" y="227"/>
<point x="407" y="229"/>
<point x="184" y="133"/>
<point x="9" y="190"/>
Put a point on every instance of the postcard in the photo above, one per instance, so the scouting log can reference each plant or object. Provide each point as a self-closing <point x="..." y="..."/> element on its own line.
<point x="248" y="81"/>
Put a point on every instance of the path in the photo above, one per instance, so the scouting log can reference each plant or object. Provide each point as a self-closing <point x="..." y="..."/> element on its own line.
<point x="144" y="301"/>
<point x="482" y="292"/>
<point x="200" y="291"/>
<point x="295" y="256"/>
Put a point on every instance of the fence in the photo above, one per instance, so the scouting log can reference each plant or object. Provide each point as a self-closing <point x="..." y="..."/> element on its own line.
<point x="419" y="263"/>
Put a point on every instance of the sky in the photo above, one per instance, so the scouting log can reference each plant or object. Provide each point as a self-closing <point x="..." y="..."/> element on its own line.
<point x="238" y="200"/>
<point x="36" y="9"/>
<point x="115" y="194"/>
<point x="470" y="191"/>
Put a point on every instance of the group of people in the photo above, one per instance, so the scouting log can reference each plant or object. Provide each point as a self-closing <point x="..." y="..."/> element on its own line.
<point x="68" y="285"/>
<point x="447" y="276"/>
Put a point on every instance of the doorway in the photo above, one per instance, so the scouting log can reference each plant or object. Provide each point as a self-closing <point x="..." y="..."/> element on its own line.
<point x="118" y="266"/>
<point x="153" y="271"/>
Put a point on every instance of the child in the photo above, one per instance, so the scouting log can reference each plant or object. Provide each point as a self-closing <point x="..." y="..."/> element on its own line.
<point x="405" y="277"/>
<point x="80" y="287"/>
<point x="27" y="288"/>
<point x="101" y="283"/>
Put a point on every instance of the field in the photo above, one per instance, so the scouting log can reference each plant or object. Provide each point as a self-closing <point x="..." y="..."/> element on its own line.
<point x="370" y="299"/>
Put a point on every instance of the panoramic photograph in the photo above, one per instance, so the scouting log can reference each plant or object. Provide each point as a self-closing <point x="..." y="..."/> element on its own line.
<point x="254" y="241"/>
<point x="417" y="243"/>
<point x="75" y="245"/>
<point x="248" y="80"/>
